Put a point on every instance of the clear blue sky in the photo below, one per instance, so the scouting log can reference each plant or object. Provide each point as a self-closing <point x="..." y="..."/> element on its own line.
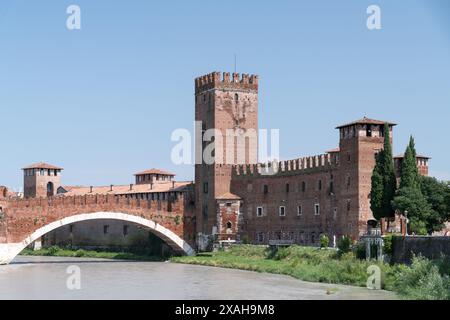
<point x="102" y="102"/>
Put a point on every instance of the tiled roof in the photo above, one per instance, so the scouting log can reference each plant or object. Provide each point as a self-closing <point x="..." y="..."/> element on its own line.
<point x="401" y="156"/>
<point x="165" y="186"/>
<point x="333" y="150"/>
<point x="155" y="171"/>
<point x="366" y="121"/>
<point x="228" y="196"/>
<point x="42" y="165"/>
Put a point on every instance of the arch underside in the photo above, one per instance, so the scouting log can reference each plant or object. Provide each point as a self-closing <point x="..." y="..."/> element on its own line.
<point x="11" y="250"/>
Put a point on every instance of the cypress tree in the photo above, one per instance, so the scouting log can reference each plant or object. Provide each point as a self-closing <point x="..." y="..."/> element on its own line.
<point x="376" y="193"/>
<point x="388" y="173"/>
<point x="384" y="182"/>
<point x="410" y="177"/>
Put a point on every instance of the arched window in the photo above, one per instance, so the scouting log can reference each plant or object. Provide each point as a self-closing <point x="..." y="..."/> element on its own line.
<point x="236" y="97"/>
<point x="229" y="225"/>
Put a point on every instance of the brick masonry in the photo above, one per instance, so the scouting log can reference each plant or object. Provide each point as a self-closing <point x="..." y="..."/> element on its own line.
<point x="307" y="197"/>
<point x="22" y="217"/>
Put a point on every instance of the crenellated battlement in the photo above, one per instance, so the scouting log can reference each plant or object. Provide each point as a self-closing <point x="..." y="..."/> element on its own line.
<point x="109" y="201"/>
<point x="288" y="167"/>
<point x="226" y="80"/>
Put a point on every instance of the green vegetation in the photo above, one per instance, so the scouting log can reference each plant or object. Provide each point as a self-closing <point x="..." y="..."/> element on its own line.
<point x="437" y="194"/>
<point x="384" y="182"/>
<point x="80" y="253"/>
<point x="409" y="197"/>
<point x="425" y="201"/>
<point x="424" y="279"/>
<point x="324" y="241"/>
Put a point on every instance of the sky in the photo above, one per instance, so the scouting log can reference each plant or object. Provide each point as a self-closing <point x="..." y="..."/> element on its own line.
<point x="103" y="101"/>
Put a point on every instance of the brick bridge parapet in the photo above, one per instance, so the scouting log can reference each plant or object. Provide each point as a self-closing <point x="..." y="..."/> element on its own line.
<point x="22" y="217"/>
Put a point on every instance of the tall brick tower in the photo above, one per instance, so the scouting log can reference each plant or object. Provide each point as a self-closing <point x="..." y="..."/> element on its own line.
<point x="226" y="104"/>
<point x="359" y="142"/>
<point x="41" y="180"/>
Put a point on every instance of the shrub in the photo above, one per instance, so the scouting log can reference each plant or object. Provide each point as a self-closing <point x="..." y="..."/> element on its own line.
<point x="422" y="281"/>
<point x="324" y="241"/>
<point x="344" y="245"/>
<point x="51" y="251"/>
<point x="360" y="251"/>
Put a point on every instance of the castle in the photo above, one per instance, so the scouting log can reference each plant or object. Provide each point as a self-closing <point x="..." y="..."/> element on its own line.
<point x="294" y="201"/>
<point x="303" y="198"/>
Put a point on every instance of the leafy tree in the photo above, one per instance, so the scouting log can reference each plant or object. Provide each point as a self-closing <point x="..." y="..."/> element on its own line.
<point x="409" y="172"/>
<point x="437" y="194"/>
<point x="419" y="210"/>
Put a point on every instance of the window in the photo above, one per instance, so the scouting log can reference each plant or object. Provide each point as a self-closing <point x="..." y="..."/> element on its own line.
<point x="317" y="209"/>
<point x="334" y="213"/>
<point x="205" y="187"/>
<point x="229" y="225"/>
<point x="299" y="210"/>
<point x="287" y="187"/>
<point x="125" y="230"/>
<point x="282" y="211"/>
<point x="42" y="172"/>
<point x="348" y="157"/>
<point x="348" y="181"/>
<point x="319" y="185"/>
<point x="71" y="228"/>
<point x="105" y="229"/>
<point x="236" y="97"/>
<point x="349" y="205"/>
<point x="228" y="204"/>
<point x="368" y="130"/>
<point x="331" y="187"/>
<point x="259" y="211"/>
<point x="303" y="186"/>
<point x="260" y="236"/>
<point x="265" y="189"/>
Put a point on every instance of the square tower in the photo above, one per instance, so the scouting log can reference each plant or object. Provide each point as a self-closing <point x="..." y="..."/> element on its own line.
<point x="225" y="106"/>
<point x="359" y="142"/>
<point x="41" y="180"/>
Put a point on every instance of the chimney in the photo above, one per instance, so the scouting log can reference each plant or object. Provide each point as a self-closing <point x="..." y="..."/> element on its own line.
<point x="131" y="186"/>
<point x="111" y="188"/>
<point x="173" y="184"/>
<point x="91" y="189"/>
<point x="151" y="185"/>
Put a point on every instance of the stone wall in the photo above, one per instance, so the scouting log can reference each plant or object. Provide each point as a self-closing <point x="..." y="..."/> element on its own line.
<point x="429" y="247"/>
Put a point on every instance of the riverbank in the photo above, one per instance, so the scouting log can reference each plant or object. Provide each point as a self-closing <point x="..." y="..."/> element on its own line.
<point x="80" y="253"/>
<point x="424" y="279"/>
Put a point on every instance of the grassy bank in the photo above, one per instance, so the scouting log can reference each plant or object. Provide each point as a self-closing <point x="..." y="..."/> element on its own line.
<point x="80" y="253"/>
<point x="423" y="280"/>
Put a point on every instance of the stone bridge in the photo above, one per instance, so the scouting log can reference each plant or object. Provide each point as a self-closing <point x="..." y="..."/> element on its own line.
<point x="22" y="221"/>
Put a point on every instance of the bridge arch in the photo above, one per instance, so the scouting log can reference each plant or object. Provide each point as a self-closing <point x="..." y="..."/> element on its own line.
<point x="9" y="251"/>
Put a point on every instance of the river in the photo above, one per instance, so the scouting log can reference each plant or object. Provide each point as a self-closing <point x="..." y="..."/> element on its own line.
<point x="47" y="277"/>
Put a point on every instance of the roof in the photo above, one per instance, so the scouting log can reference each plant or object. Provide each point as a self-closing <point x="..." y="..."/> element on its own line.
<point x="155" y="171"/>
<point x="42" y="165"/>
<point x="228" y="196"/>
<point x="366" y="120"/>
<point x="333" y="150"/>
<point x="165" y="186"/>
<point x="401" y="156"/>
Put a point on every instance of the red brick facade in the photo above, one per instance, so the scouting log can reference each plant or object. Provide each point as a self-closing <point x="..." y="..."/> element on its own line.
<point x="24" y="216"/>
<point x="307" y="197"/>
